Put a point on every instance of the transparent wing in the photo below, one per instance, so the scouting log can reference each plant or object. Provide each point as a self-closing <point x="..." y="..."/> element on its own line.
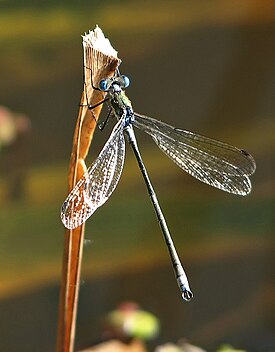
<point x="98" y="183"/>
<point x="210" y="161"/>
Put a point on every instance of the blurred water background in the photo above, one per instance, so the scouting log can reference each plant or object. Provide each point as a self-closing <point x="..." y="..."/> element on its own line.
<point x="205" y="66"/>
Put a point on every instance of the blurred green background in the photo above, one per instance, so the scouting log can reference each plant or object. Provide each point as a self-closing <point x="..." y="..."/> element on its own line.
<point x="206" y="66"/>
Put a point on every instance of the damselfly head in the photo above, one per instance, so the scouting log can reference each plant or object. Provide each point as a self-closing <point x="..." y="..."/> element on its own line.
<point x="117" y="83"/>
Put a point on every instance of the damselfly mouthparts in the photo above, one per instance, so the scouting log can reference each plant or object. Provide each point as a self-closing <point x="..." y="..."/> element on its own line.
<point x="210" y="161"/>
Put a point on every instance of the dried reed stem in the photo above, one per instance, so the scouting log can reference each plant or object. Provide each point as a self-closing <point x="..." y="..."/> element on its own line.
<point x="100" y="61"/>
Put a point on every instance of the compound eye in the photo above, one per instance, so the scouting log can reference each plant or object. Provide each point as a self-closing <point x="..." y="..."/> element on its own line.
<point x="126" y="81"/>
<point x="103" y="85"/>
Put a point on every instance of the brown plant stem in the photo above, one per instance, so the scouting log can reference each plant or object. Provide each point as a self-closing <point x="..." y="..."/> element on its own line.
<point x="100" y="61"/>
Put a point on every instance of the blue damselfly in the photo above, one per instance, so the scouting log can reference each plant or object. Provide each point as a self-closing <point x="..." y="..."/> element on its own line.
<point x="210" y="161"/>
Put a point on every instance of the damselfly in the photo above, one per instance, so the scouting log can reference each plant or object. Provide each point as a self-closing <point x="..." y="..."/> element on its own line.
<point x="210" y="161"/>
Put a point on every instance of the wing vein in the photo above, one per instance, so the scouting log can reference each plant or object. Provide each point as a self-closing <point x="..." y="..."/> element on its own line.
<point x="215" y="163"/>
<point x="98" y="182"/>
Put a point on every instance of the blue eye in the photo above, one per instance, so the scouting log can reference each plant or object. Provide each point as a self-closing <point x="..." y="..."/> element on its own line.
<point x="103" y="85"/>
<point x="126" y="81"/>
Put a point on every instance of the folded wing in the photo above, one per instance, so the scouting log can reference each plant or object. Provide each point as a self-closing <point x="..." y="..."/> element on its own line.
<point x="98" y="183"/>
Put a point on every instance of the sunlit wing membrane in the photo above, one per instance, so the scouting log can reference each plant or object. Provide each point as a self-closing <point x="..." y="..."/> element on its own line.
<point x="210" y="161"/>
<point x="98" y="183"/>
